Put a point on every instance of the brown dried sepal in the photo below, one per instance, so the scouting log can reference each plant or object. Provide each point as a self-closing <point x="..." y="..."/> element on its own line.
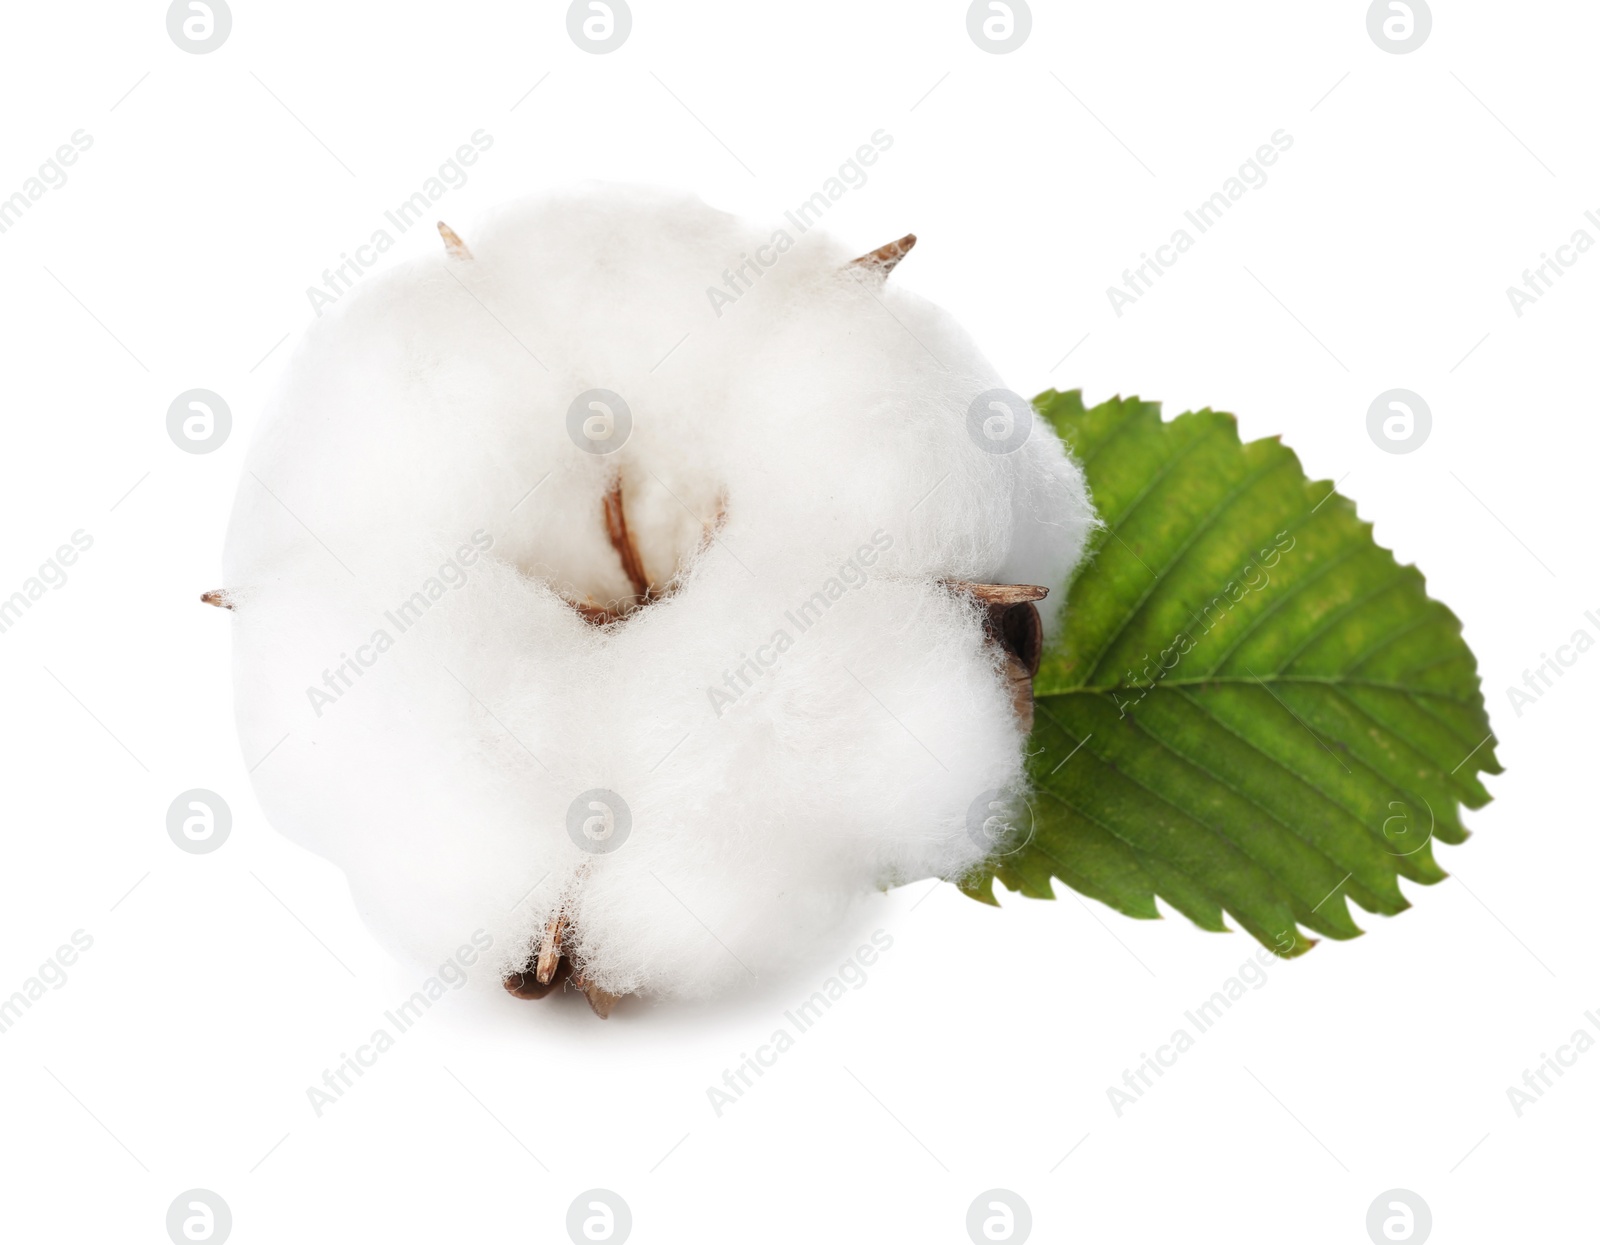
<point x="595" y="615"/>
<point x="622" y="540"/>
<point x="883" y="260"/>
<point x="615" y="513"/>
<point x="528" y="984"/>
<point x="1012" y="622"/>
<point x="550" y="949"/>
<point x="218" y="597"/>
<point x="999" y="594"/>
<point x="600" y="1001"/>
<point x="454" y="247"/>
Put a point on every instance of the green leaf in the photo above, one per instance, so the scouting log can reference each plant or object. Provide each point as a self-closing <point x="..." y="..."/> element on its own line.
<point x="1251" y="707"/>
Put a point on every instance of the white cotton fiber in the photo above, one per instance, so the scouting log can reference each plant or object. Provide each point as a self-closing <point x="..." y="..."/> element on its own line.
<point x="415" y="520"/>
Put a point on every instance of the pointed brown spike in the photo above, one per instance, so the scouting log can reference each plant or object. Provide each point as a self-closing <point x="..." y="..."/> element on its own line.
<point x="454" y="247"/>
<point x="883" y="260"/>
<point x="600" y="1001"/>
<point x="218" y="597"/>
<point x="999" y="594"/>
<point x="550" y="949"/>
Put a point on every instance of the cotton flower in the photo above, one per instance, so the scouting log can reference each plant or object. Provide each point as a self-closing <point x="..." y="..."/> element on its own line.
<point x="624" y="622"/>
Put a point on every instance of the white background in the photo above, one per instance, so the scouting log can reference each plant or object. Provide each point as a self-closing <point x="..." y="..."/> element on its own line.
<point x="979" y="1052"/>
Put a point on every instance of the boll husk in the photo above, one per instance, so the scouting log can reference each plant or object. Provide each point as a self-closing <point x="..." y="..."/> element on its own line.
<point x="676" y="756"/>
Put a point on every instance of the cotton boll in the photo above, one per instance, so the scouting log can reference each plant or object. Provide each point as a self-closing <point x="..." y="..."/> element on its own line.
<point x="800" y="712"/>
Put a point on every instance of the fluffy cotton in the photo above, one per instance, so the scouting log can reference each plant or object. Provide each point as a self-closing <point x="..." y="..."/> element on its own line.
<point x="418" y="451"/>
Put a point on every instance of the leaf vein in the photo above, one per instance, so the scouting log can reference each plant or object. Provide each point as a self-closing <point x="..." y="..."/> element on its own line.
<point x="1233" y="495"/>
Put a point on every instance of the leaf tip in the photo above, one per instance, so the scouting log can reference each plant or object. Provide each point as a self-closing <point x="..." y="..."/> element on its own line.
<point x="1296" y="946"/>
<point x="979" y="886"/>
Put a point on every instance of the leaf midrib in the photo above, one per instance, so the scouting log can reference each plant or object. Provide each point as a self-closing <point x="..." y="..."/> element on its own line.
<point x="1250" y="681"/>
